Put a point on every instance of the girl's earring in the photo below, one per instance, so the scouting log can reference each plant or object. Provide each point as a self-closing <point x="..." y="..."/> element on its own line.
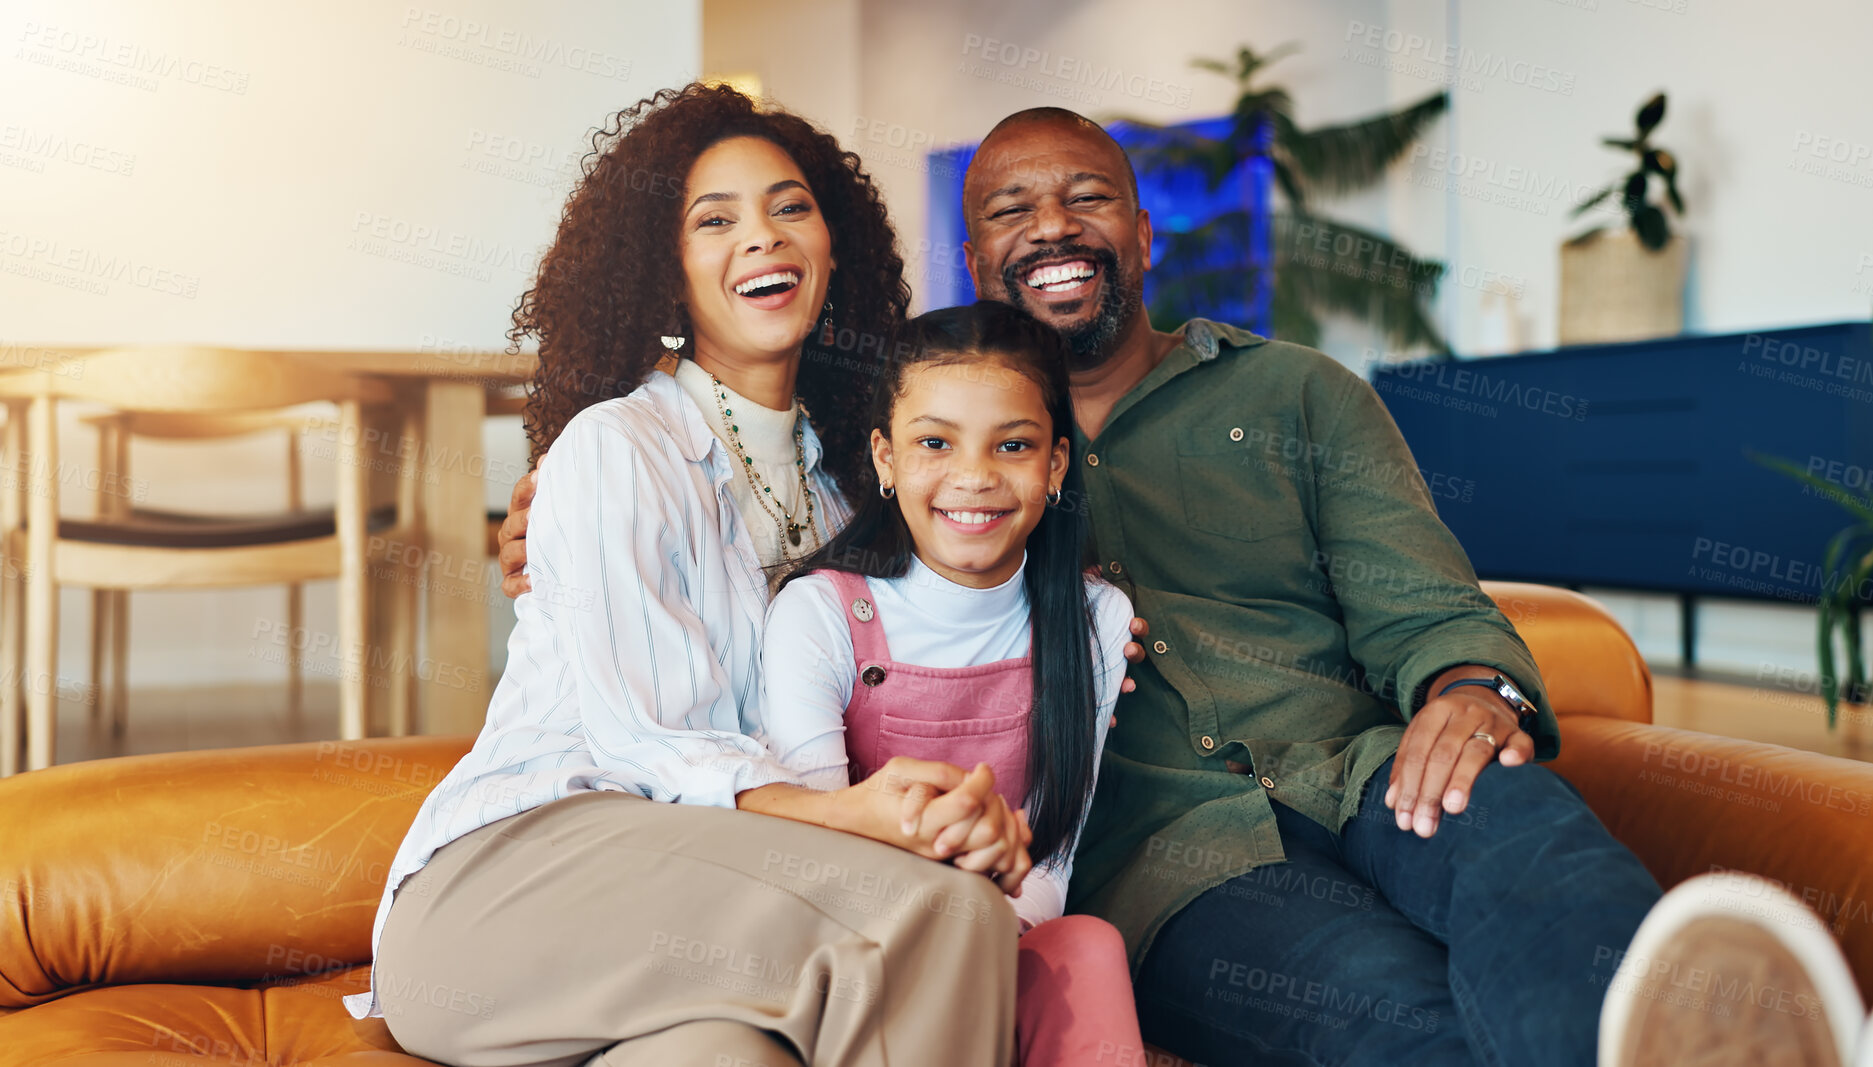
<point x="1053" y="498"/>
<point x="887" y="491"/>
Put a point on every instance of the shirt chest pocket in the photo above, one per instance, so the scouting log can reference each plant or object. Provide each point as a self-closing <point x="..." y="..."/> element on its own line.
<point x="1241" y="480"/>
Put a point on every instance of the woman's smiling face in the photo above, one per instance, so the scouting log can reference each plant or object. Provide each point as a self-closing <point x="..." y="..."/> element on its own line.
<point x="757" y="256"/>
<point x="972" y="455"/>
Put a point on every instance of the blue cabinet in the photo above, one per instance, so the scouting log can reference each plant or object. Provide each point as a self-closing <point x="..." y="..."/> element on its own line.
<point x="1629" y="465"/>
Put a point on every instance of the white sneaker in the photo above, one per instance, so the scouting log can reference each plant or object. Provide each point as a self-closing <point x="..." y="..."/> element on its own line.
<point x="1730" y="969"/>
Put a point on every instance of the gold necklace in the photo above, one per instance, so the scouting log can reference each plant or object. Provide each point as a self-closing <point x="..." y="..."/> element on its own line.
<point x="788" y="529"/>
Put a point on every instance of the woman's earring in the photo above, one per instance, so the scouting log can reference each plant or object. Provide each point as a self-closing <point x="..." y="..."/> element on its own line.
<point x="1053" y="498"/>
<point x="674" y="344"/>
<point x="828" y="333"/>
<point x="887" y="491"/>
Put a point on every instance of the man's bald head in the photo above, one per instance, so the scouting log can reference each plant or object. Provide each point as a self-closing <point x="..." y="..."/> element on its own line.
<point x="1028" y="120"/>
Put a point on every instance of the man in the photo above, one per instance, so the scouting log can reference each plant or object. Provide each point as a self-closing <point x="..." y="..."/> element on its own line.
<point x="1314" y="628"/>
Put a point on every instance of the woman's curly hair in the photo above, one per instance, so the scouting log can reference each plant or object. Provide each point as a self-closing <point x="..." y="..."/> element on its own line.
<point x="612" y="285"/>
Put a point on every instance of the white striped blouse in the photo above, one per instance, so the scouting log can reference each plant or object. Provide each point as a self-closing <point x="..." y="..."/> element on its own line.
<point x="634" y="664"/>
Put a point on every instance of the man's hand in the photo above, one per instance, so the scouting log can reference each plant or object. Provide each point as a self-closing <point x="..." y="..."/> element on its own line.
<point x="1134" y="653"/>
<point x="513" y="537"/>
<point x="1440" y="756"/>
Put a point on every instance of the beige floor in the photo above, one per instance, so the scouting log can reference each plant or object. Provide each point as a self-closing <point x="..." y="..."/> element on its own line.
<point x="1782" y="717"/>
<point x="170" y="720"/>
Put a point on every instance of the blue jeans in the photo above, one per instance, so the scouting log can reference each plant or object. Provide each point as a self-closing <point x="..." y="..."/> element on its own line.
<point x="1491" y="943"/>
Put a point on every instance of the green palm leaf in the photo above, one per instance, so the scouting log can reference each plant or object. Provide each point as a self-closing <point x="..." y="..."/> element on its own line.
<point x="1362" y="274"/>
<point x="1345" y="159"/>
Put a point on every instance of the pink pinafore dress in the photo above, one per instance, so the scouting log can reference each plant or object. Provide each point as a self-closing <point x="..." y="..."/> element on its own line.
<point x="960" y="715"/>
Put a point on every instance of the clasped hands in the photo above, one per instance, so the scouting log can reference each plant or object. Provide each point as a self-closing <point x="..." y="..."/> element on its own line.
<point x="941" y="812"/>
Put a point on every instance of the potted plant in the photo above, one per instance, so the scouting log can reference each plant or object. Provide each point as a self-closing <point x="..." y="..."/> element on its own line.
<point x="1626" y="283"/>
<point x="1272" y="256"/>
<point x="1847" y="570"/>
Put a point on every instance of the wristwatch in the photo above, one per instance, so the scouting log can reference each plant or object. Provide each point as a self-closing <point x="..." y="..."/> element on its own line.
<point x="1525" y="712"/>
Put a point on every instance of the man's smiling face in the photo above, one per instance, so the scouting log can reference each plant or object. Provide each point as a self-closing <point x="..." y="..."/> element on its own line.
<point x="1055" y="230"/>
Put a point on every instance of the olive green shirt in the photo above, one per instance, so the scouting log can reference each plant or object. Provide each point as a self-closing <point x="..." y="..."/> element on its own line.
<point x="1257" y="502"/>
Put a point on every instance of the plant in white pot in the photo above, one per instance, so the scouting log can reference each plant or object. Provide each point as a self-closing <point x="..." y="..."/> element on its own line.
<point x="1626" y="283"/>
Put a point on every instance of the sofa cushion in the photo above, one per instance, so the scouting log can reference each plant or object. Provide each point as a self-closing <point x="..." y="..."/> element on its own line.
<point x="300" y="1022"/>
<point x="235" y="865"/>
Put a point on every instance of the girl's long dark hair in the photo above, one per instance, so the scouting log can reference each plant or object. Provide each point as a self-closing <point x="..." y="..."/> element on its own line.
<point x="877" y="544"/>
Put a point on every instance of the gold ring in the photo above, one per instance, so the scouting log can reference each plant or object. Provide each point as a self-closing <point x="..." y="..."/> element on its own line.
<point x="1486" y="736"/>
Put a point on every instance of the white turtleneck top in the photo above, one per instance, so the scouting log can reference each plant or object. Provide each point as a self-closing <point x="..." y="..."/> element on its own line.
<point x="767" y="438"/>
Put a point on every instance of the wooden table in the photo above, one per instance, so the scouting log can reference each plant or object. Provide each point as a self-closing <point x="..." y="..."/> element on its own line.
<point x="449" y="390"/>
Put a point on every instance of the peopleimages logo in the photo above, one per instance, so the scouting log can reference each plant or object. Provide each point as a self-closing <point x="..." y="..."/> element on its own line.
<point x="1809" y="358"/>
<point x="1460" y="60"/>
<point x="1456" y="379"/>
<point x="1045" y="63"/>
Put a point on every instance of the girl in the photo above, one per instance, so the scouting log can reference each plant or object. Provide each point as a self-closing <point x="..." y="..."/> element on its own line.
<point x="950" y="621"/>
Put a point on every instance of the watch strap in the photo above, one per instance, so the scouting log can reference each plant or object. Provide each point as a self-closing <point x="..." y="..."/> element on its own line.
<point x="1524" y="716"/>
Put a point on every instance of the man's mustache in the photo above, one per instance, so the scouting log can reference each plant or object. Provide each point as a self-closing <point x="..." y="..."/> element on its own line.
<point x="1014" y="274"/>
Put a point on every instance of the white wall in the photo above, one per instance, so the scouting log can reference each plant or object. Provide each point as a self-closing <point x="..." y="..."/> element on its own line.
<point x="1757" y="95"/>
<point x="805" y="52"/>
<point x="350" y="174"/>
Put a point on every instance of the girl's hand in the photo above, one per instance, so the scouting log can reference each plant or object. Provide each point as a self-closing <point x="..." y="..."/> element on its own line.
<point x="993" y="840"/>
<point x="1007" y="860"/>
<point x="910" y="803"/>
<point x="962" y="828"/>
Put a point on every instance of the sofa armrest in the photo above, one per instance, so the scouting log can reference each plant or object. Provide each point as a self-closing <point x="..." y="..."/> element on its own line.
<point x="1688" y="803"/>
<point x="227" y="865"/>
<point x="1588" y="663"/>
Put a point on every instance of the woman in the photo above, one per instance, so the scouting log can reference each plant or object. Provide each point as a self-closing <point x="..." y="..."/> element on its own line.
<point x="591" y="883"/>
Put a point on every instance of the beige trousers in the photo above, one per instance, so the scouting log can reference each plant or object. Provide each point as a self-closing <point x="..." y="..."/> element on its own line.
<point x="611" y="930"/>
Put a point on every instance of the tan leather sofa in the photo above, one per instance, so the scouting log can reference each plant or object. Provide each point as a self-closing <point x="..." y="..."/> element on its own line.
<point x="209" y="908"/>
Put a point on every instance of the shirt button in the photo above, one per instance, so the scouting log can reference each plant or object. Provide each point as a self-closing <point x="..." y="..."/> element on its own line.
<point x="1268" y="783"/>
<point x="1208" y="741"/>
<point x="1160" y="647"/>
<point x="1092" y="460"/>
<point x="1235" y="433"/>
<point x="1115" y="568"/>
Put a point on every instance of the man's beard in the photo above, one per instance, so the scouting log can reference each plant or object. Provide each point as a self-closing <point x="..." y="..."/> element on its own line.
<point x="1094" y="341"/>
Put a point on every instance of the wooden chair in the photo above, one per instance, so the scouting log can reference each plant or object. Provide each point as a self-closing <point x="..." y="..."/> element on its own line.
<point x="151" y="552"/>
<point x="110" y="608"/>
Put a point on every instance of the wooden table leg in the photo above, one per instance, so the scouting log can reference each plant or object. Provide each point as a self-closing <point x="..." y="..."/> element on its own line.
<point x="395" y="564"/>
<point x="455" y="677"/>
<point x="42" y="606"/>
<point x="13" y="593"/>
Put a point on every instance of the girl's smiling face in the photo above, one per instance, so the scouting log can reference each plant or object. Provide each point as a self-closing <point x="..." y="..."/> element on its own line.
<point x="972" y="454"/>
